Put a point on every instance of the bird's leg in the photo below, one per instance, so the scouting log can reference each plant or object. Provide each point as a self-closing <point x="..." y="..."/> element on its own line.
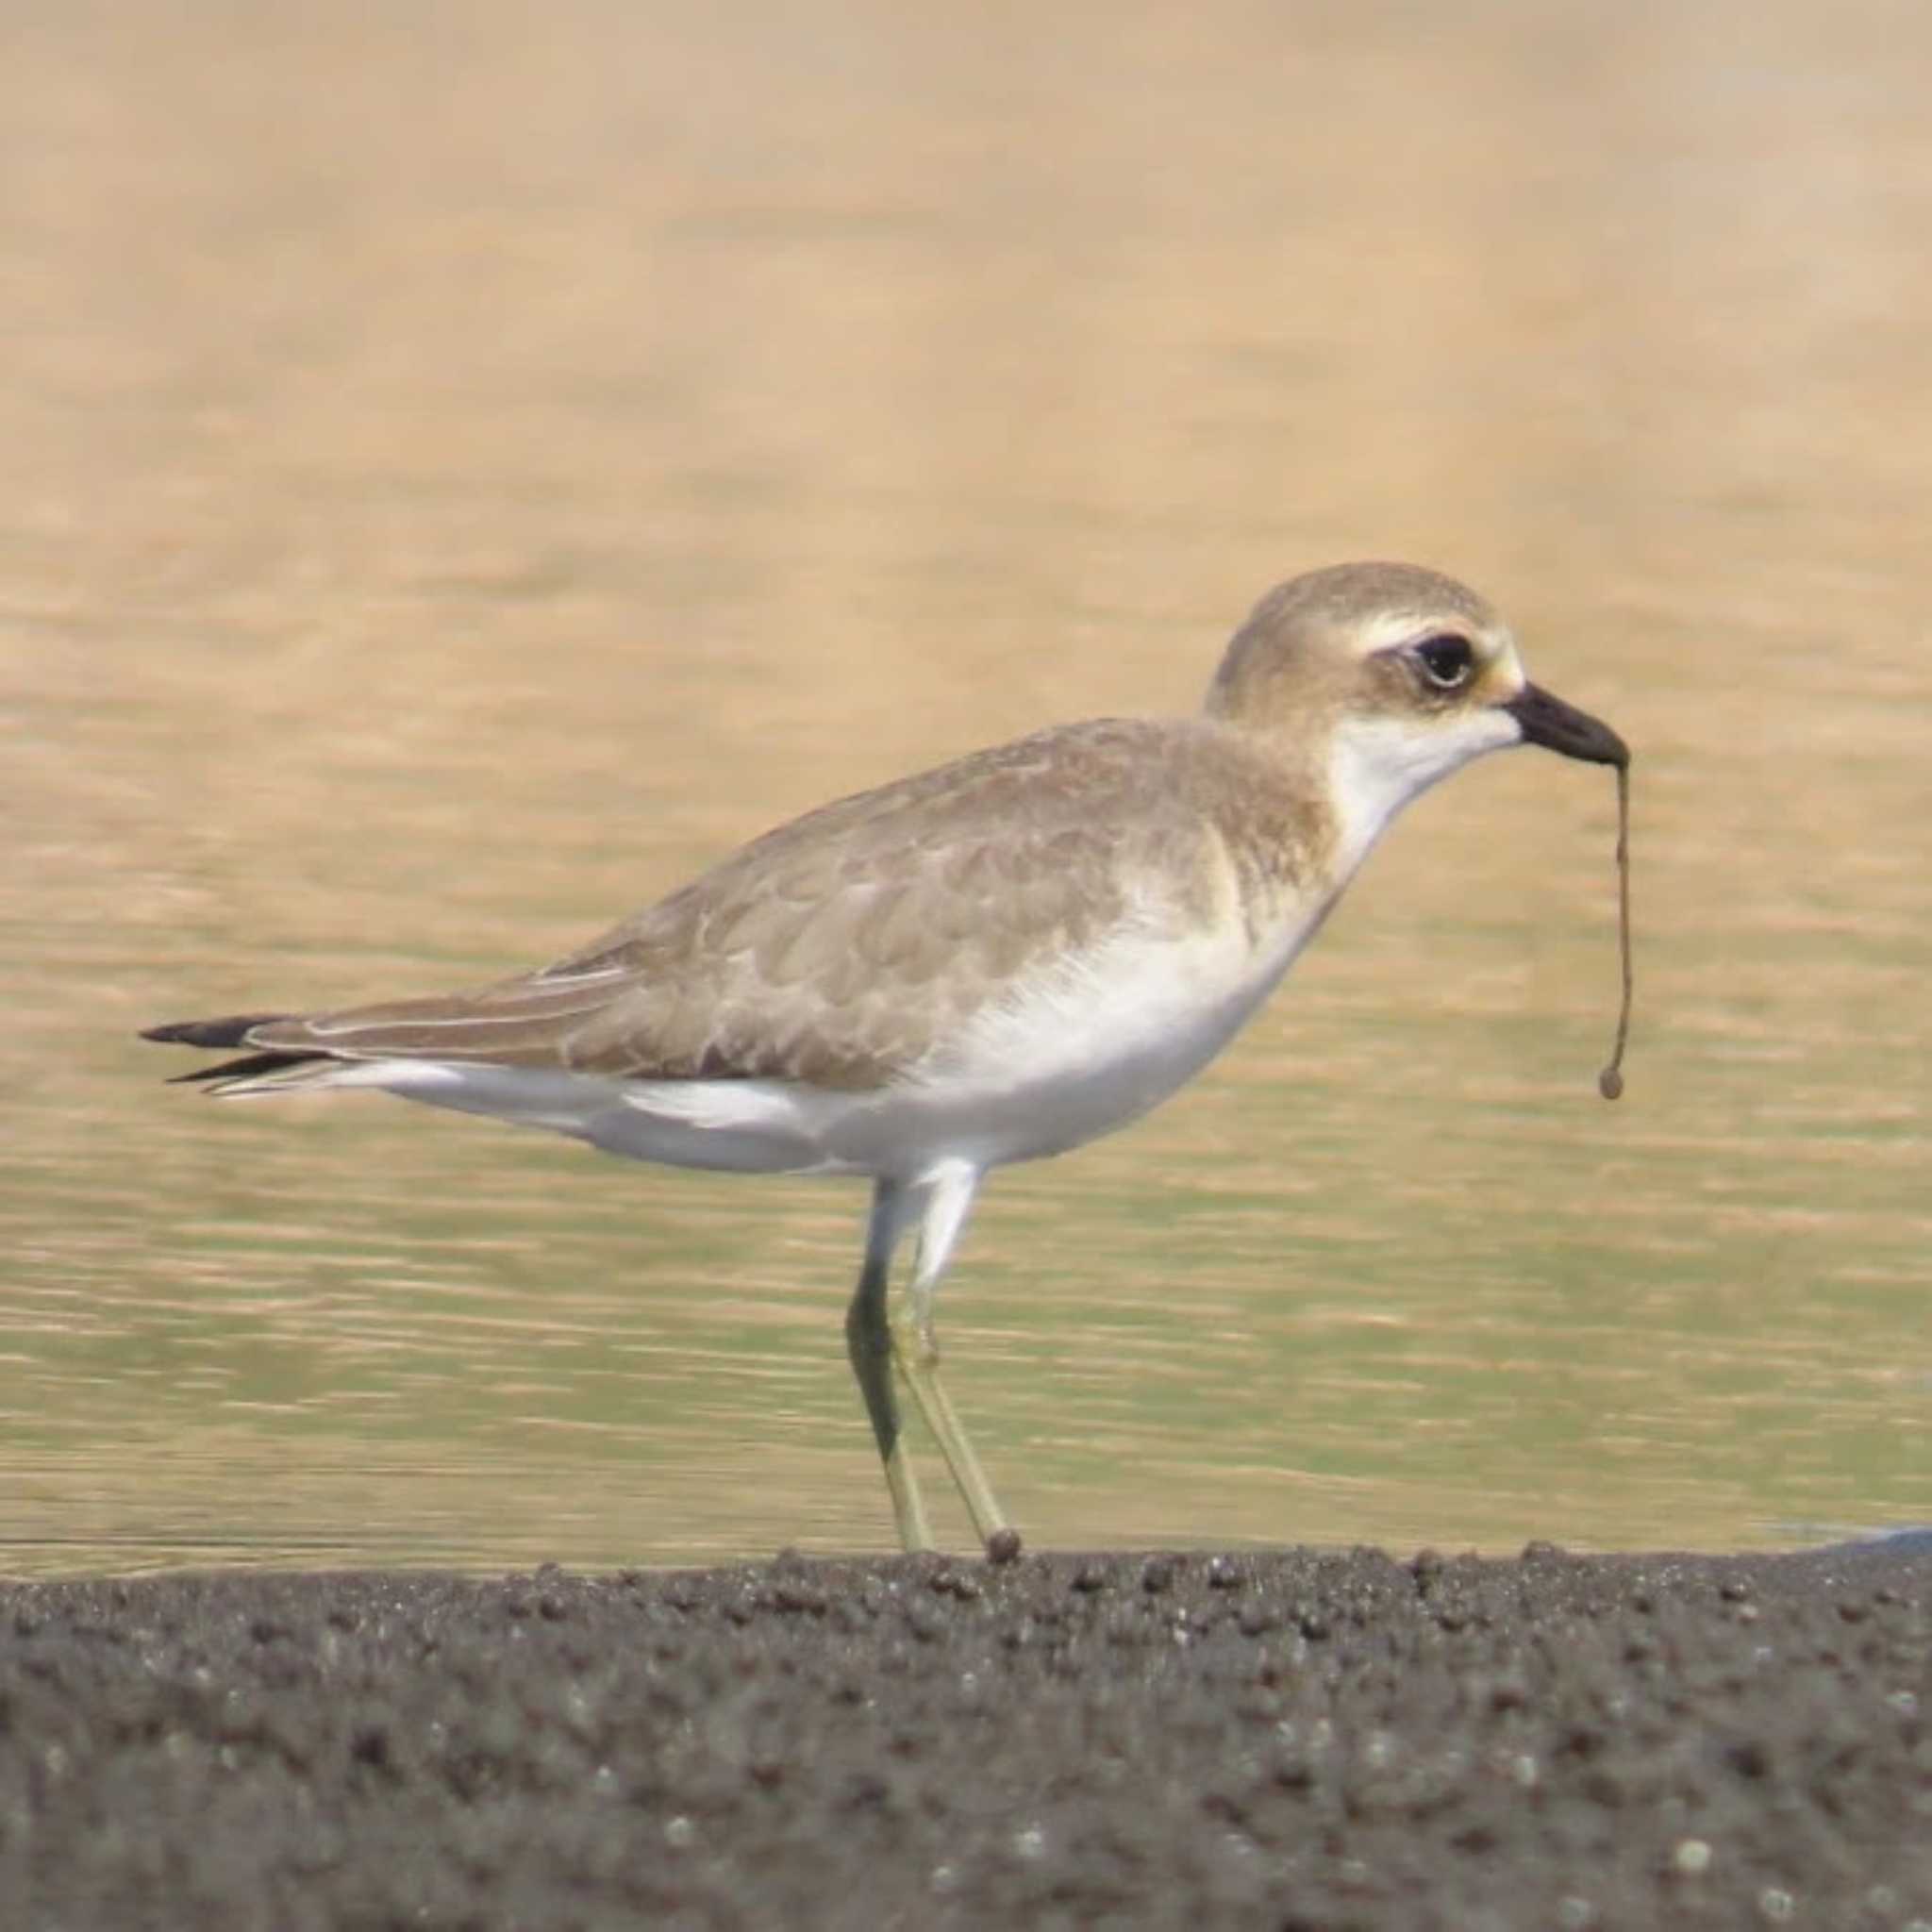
<point x="948" y="1197"/>
<point x="869" y="1343"/>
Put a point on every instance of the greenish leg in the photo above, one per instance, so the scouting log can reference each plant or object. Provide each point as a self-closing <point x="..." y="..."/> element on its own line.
<point x="916" y="1351"/>
<point x="918" y="1357"/>
<point x="871" y="1344"/>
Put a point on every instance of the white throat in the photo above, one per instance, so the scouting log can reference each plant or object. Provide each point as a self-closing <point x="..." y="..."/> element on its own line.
<point x="1376" y="765"/>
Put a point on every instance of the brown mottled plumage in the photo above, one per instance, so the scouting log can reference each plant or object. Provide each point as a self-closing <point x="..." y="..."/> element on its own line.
<point x="843" y="948"/>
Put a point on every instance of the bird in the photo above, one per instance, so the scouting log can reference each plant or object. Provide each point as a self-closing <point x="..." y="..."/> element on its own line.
<point x="995" y="960"/>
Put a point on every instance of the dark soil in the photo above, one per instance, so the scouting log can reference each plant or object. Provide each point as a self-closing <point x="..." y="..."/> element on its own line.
<point x="1300" y="1740"/>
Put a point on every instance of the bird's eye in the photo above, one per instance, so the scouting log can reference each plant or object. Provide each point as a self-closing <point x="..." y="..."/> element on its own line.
<point x="1446" y="660"/>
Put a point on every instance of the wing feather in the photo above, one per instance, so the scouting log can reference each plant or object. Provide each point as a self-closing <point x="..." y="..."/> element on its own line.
<point x="843" y="948"/>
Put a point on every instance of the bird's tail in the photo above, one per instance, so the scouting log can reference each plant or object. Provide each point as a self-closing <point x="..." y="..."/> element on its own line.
<point x="266" y="1072"/>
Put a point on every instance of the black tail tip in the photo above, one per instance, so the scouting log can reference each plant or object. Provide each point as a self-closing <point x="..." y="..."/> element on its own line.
<point x="250" y="1067"/>
<point x="231" y="1031"/>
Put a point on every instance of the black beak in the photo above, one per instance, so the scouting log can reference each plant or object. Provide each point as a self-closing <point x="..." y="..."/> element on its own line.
<point x="1547" y="721"/>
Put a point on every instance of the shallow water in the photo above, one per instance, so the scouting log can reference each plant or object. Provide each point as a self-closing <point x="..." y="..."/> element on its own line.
<point x="461" y="476"/>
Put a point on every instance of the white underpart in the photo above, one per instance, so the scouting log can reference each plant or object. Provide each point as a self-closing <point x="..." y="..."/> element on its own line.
<point x="1090" y="1041"/>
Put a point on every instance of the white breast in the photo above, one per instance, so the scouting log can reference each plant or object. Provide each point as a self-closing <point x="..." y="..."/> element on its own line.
<point x="1084" y="1045"/>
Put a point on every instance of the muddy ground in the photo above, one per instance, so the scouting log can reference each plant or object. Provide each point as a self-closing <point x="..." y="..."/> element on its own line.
<point x="1293" y="1740"/>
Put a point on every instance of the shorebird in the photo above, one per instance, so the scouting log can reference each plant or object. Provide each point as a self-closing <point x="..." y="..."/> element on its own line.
<point x="993" y="961"/>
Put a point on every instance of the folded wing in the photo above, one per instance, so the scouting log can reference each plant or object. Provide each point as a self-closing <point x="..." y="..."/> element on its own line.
<point x="838" y="950"/>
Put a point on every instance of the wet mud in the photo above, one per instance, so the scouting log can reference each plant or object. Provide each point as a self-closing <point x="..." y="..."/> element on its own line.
<point x="1286" y="1739"/>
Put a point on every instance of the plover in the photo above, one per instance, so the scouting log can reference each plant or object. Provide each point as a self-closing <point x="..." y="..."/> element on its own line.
<point x="992" y="961"/>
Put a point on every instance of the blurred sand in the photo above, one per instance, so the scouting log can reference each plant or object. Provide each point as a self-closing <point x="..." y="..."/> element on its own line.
<point x="1295" y="1740"/>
